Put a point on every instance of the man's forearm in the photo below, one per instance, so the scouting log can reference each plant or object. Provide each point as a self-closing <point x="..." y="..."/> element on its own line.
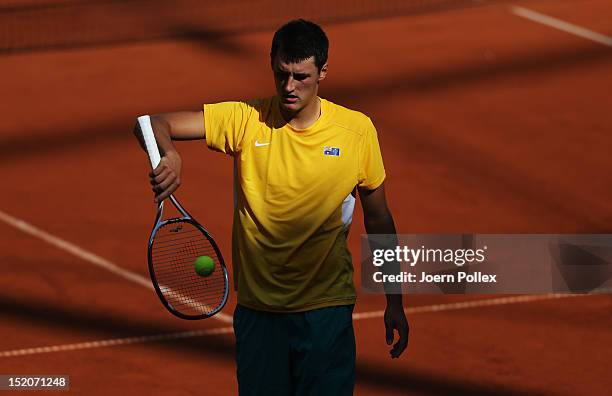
<point x="380" y="225"/>
<point x="385" y="225"/>
<point x="163" y="134"/>
<point x="180" y="125"/>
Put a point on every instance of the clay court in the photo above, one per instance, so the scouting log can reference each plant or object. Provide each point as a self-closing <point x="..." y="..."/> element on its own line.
<point x="493" y="117"/>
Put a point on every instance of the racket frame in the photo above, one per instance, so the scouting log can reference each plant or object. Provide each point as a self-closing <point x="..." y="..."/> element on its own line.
<point x="186" y="218"/>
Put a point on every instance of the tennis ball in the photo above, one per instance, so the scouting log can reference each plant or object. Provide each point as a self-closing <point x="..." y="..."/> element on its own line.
<point x="204" y="265"/>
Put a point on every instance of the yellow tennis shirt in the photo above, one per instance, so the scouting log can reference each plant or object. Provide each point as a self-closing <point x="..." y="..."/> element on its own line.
<point x="293" y="200"/>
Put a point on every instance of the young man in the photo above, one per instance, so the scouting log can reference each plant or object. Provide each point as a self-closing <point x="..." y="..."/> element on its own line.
<point x="299" y="160"/>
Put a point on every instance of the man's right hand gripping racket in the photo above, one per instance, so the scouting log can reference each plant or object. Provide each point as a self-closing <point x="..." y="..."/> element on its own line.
<point x="174" y="246"/>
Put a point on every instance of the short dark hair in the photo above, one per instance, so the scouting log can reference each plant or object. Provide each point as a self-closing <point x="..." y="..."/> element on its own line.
<point x="298" y="40"/>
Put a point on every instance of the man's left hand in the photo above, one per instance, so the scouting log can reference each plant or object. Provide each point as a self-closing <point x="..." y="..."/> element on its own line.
<point x="395" y="319"/>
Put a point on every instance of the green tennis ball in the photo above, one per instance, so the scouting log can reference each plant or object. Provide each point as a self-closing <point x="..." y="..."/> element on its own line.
<point x="204" y="266"/>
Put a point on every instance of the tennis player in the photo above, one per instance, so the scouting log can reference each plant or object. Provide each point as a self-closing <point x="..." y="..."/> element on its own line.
<point x="299" y="162"/>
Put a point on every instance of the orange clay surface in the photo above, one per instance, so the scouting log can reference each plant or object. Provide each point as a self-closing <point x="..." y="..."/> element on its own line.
<point x="488" y="123"/>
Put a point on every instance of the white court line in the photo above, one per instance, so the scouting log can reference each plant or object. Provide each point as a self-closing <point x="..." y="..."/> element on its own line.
<point x="562" y="25"/>
<point x="115" y="342"/>
<point x="86" y="255"/>
<point x="229" y="329"/>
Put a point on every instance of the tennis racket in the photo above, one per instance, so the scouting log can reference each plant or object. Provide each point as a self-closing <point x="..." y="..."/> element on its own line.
<point x="174" y="246"/>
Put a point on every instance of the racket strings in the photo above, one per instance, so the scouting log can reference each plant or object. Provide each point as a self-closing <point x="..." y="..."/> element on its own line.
<point x="173" y="254"/>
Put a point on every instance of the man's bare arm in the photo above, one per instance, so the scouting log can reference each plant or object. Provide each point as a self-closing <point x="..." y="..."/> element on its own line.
<point x="378" y="220"/>
<point x="182" y="125"/>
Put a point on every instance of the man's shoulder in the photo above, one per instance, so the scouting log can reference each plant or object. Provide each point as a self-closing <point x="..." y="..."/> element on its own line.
<point x="259" y="104"/>
<point x="262" y="107"/>
<point x="349" y="119"/>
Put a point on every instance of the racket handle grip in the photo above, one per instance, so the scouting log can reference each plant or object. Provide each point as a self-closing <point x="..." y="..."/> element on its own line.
<point x="149" y="140"/>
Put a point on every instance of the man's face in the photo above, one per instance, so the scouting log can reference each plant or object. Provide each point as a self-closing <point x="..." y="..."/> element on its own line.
<point x="297" y="84"/>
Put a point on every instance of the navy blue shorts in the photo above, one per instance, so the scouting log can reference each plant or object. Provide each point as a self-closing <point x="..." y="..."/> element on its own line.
<point x="302" y="353"/>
